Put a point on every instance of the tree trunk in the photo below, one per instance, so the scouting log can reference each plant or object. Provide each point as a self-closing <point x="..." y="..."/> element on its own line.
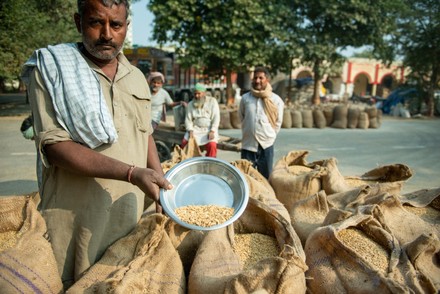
<point x="432" y="84"/>
<point x="229" y="95"/>
<point x="316" y="100"/>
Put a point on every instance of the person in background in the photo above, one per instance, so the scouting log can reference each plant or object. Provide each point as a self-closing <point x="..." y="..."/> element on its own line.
<point x="261" y="115"/>
<point x="94" y="137"/>
<point x="202" y="121"/>
<point x="160" y="98"/>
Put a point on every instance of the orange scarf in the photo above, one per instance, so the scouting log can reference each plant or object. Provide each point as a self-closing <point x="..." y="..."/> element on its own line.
<point x="270" y="108"/>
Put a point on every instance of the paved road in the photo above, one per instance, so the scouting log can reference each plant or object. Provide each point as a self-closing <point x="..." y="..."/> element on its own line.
<point x="413" y="142"/>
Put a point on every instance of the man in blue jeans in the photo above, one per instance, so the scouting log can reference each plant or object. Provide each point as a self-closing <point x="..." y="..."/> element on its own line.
<point x="261" y="114"/>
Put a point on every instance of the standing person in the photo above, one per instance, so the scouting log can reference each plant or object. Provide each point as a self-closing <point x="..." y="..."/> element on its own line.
<point x="261" y="114"/>
<point x="160" y="98"/>
<point x="202" y="121"/>
<point x="89" y="106"/>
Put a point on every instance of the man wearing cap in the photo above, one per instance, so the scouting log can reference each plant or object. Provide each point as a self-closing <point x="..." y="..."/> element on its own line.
<point x="159" y="98"/>
<point x="202" y="121"/>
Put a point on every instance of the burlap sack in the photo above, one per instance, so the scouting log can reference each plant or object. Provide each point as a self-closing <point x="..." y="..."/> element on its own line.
<point x="359" y="255"/>
<point x="189" y="151"/>
<point x="332" y="180"/>
<point x="225" y="119"/>
<point x="27" y="262"/>
<point x="363" y="121"/>
<point x="144" y="261"/>
<point x="319" y="119"/>
<point x="287" y="119"/>
<point x="308" y="214"/>
<point x="353" y="117"/>
<point x="381" y="174"/>
<point x="328" y="113"/>
<point x="340" y="113"/>
<point x="217" y="268"/>
<point x="372" y="117"/>
<point x="296" y="119"/>
<point x="235" y="118"/>
<point x="307" y="118"/>
<point x="293" y="179"/>
<point x="260" y="188"/>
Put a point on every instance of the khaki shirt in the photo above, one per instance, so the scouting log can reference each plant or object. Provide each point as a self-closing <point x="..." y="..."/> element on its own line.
<point x="85" y="215"/>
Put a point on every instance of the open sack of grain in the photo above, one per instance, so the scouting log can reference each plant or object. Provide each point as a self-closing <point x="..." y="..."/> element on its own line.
<point x="260" y="251"/>
<point x="144" y="261"/>
<point x="360" y="255"/>
<point x="27" y="261"/>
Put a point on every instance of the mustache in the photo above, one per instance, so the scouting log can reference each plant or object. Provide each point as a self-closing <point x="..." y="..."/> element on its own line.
<point x="106" y="43"/>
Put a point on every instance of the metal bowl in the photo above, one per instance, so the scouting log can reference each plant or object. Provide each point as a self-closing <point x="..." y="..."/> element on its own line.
<point x="205" y="181"/>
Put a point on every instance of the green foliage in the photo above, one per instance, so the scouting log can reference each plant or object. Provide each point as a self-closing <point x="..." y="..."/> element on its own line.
<point x="28" y="25"/>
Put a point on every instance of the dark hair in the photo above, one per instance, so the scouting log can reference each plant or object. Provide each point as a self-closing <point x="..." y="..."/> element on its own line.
<point x="263" y="70"/>
<point x="107" y="3"/>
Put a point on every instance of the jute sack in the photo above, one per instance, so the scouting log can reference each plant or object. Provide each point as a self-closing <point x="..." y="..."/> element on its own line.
<point x="235" y="118"/>
<point x="296" y="119"/>
<point x="332" y="180"/>
<point x="381" y="174"/>
<point x="358" y="255"/>
<point x="307" y="118"/>
<point x="408" y="217"/>
<point x="423" y="253"/>
<point x="353" y="117"/>
<point x="328" y="113"/>
<point x="287" y="119"/>
<point x="225" y="119"/>
<point x="363" y="121"/>
<point x="144" y="261"/>
<point x="217" y="268"/>
<point x="340" y="117"/>
<point x="319" y="119"/>
<point x="372" y="117"/>
<point x="308" y="214"/>
<point x="293" y="179"/>
<point x="189" y="151"/>
<point x="259" y="187"/>
<point x="27" y="261"/>
<point x="185" y="241"/>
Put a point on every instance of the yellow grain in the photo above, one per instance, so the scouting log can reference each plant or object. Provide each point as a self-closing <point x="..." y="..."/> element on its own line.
<point x="204" y="215"/>
<point x="251" y="248"/>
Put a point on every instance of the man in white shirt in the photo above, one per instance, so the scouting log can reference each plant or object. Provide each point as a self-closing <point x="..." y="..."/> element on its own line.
<point x="261" y="114"/>
<point x="202" y="121"/>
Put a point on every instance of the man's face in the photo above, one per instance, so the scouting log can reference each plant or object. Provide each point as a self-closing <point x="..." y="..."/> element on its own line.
<point x="259" y="81"/>
<point x="103" y="29"/>
<point x="156" y="84"/>
<point x="199" y="95"/>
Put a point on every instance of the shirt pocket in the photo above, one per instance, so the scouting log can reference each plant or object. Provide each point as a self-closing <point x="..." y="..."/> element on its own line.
<point x="141" y="107"/>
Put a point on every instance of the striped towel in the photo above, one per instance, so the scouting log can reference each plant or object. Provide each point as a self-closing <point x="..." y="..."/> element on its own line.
<point x="76" y="93"/>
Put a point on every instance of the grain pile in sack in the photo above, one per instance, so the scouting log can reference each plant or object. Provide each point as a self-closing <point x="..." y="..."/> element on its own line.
<point x="296" y="119"/>
<point x="381" y="174"/>
<point x="328" y="113"/>
<point x="287" y="119"/>
<point x="363" y="121"/>
<point x="359" y="255"/>
<point x="319" y="119"/>
<point x="353" y="117"/>
<point x="144" y="261"/>
<point x="259" y="187"/>
<point x="308" y="214"/>
<point x="219" y="266"/>
<point x="307" y="118"/>
<point x="293" y="179"/>
<point x="340" y="113"/>
<point x="225" y="118"/>
<point x="235" y="118"/>
<point x="27" y="262"/>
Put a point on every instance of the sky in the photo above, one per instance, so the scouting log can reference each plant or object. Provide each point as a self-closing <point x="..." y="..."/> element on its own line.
<point x="142" y="21"/>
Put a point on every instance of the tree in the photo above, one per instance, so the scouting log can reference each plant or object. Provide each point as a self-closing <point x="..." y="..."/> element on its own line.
<point x="417" y="41"/>
<point x="229" y="35"/>
<point x="332" y="24"/>
<point x="28" y="25"/>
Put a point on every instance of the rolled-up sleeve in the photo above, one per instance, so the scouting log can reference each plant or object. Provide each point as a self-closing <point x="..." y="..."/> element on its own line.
<point x="47" y="129"/>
